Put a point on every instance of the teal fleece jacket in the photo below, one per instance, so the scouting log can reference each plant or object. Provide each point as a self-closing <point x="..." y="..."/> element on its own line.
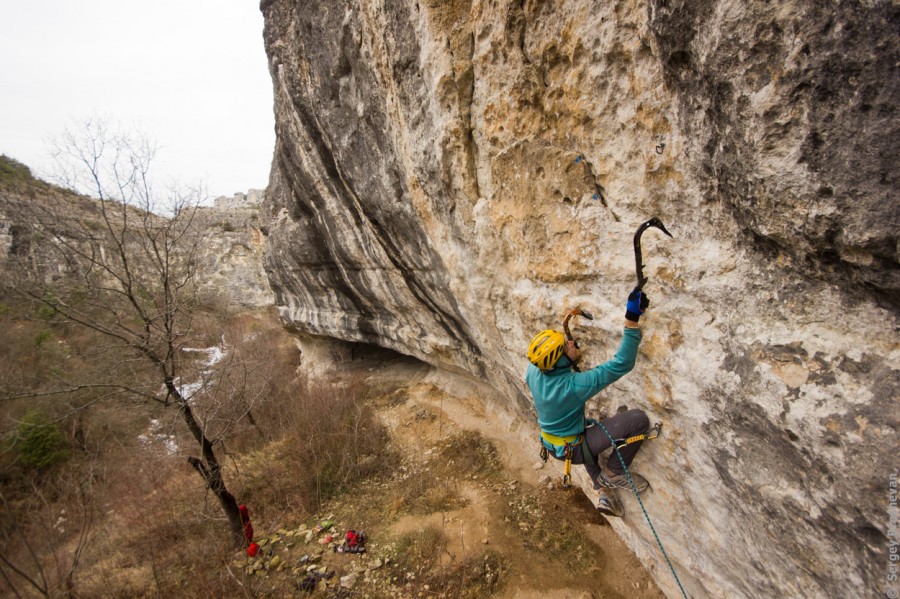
<point x="560" y="394"/>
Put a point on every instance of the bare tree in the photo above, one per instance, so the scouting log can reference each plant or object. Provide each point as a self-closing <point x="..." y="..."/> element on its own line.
<point x="50" y="547"/>
<point x="124" y="265"/>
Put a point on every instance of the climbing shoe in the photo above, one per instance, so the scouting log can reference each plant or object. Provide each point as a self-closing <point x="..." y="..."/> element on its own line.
<point x="620" y="481"/>
<point x="609" y="505"/>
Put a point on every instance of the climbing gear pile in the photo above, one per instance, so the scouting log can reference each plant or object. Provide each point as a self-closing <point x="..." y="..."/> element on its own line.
<point x="546" y="348"/>
<point x="643" y="509"/>
<point x="354" y="542"/>
<point x="312" y="580"/>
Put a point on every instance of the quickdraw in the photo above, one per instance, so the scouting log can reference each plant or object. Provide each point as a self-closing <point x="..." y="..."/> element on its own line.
<point x="569" y="452"/>
<point x="651" y="433"/>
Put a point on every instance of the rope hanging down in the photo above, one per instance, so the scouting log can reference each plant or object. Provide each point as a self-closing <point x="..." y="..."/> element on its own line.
<point x="643" y="509"/>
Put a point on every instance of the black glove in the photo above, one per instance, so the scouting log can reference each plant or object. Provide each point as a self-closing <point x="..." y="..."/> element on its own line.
<point x="638" y="302"/>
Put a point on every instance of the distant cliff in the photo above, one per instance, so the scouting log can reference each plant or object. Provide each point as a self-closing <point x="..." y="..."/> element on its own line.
<point x="450" y="177"/>
<point x="252" y="199"/>
<point x="230" y="259"/>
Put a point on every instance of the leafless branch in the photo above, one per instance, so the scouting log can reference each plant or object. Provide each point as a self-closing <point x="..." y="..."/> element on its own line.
<point x="81" y="387"/>
<point x="42" y="590"/>
<point x="87" y="506"/>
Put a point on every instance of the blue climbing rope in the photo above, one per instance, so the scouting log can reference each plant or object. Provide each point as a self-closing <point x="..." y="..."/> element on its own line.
<point x="638" y="495"/>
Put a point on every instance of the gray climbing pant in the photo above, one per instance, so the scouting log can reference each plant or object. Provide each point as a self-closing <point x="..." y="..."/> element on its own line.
<point x="621" y="426"/>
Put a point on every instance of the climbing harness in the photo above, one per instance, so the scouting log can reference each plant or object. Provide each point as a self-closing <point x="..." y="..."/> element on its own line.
<point x="639" y="266"/>
<point x="571" y="442"/>
<point x="641" y="503"/>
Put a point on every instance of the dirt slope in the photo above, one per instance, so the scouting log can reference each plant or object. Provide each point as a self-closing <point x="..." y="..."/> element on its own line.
<point x="462" y="513"/>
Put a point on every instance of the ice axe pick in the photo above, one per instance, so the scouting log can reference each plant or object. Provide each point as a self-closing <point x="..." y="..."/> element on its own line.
<point x="639" y="266"/>
<point x="575" y="312"/>
<point x="569" y="336"/>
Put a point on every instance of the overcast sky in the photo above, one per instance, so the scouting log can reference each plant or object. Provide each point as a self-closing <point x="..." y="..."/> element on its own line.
<point x="191" y="74"/>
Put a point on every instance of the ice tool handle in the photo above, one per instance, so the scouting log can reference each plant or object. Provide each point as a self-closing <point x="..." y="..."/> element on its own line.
<point x="638" y="261"/>
<point x="575" y="312"/>
<point x="569" y="335"/>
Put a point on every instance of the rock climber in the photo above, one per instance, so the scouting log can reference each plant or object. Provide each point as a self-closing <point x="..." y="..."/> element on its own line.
<point x="560" y="393"/>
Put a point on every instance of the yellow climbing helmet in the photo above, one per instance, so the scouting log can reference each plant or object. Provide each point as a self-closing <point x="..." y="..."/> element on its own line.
<point x="546" y="348"/>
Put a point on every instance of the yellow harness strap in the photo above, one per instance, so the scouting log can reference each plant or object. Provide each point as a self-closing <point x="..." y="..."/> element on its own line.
<point x="554" y="440"/>
<point x="568" y="442"/>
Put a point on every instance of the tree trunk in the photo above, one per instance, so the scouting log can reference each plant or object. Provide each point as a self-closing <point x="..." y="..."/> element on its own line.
<point x="209" y="469"/>
<point x="226" y="499"/>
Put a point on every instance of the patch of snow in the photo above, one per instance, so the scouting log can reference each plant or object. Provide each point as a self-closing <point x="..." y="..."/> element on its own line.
<point x="215" y="355"/>
<point x="153" y="438"/>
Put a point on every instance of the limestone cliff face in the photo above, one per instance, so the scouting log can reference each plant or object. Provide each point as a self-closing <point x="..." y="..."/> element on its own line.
<point x="230" y="262"/>
<point x="450" y="177"/>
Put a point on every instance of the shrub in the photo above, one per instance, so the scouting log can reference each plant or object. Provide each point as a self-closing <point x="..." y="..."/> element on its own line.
<point x="329" y="441"/>
<point x="421" y="548"/>
<point x="42" y="337"/>
<point x="13" y="171"/>
<point x="45" y="312"/>
<point x="39" y="441"/>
